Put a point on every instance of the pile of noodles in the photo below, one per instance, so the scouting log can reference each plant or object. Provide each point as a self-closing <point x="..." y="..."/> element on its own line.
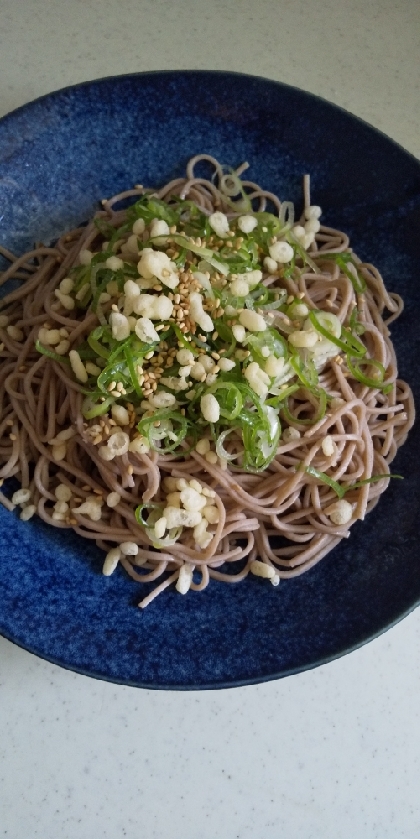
<point x="276" y="516"/>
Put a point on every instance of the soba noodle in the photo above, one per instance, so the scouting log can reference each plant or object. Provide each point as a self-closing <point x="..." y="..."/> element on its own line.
<point x="276" y="520"/>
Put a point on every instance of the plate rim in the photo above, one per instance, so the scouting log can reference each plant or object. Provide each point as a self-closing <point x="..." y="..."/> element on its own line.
<point x="203" y="72"/>
<point x="223" y="685"/>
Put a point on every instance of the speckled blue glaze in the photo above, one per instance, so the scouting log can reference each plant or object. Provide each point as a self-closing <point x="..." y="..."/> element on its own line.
<point x="58" y="157"/>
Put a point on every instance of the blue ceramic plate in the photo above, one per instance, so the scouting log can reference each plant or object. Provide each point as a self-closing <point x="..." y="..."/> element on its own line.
<point x="58" y="157"/>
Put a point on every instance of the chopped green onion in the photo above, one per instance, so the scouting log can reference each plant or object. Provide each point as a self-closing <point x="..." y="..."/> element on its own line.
<point x="351" y="343"/>
<point x="174" y="429"/>
<point x="342" y="259"/>
<point x="156" y="511"/>
<point x="320" y="393"/>
<point x="97" y="409"/>
<point x="371" y="381"/>
<point x="325" y="479"/>
<point x="206" y="253"/>
<point x="306" y="371"/>
<point x="133" y="374"/>
<point x="220" y="449"/>
<point x="229" y="398"/>
<point x="341" y="490"/>
<point x="51" y="354"/>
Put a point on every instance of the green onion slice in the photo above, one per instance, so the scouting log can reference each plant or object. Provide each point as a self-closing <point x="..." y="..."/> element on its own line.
<point x="156" y="511"/>
<point x="171" y="432"/>
<point x="341" y="490"/>
<point x="354" y="366"/>
<point x="342" y="260"/>
<point x="51" y="354"/>
<point x="320" y="393"/>
<point x="351" y="343"/>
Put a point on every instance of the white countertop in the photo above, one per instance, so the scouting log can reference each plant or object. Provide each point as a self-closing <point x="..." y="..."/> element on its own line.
<point x="332" y="753"/>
